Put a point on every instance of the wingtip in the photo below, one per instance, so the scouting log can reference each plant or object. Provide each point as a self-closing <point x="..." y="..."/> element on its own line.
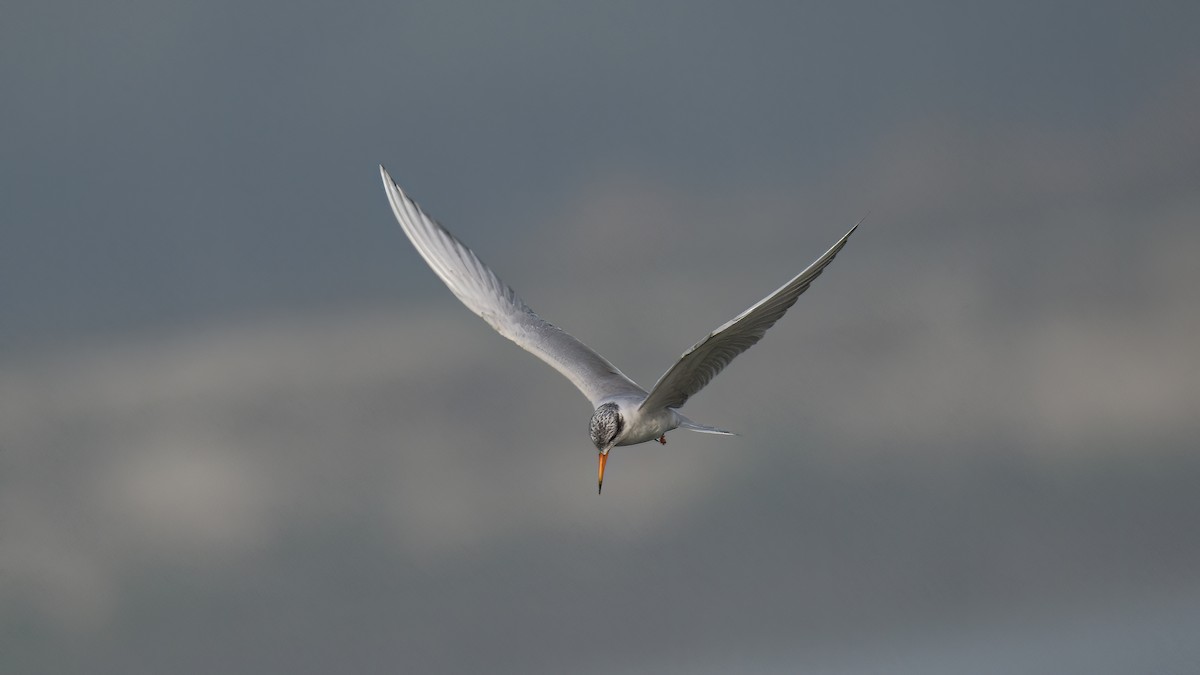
<point x="390" y="183"/>
<point x="860" y="222"/>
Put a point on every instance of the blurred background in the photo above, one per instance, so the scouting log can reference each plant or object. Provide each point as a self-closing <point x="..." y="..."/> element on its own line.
<point x="244" y="429"/>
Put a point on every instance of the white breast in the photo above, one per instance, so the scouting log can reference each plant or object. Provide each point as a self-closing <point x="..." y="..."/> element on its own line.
<point x="641" y="426"/>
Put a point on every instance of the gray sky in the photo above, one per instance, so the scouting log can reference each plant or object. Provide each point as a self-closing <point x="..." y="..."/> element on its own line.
<point x="244" y="429"/>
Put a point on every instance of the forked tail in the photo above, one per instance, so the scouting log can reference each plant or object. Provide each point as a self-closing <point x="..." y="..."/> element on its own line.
<point x="685" y="423"/>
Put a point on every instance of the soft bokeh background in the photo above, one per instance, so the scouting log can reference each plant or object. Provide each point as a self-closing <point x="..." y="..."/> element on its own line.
<point x="243" y="429"/>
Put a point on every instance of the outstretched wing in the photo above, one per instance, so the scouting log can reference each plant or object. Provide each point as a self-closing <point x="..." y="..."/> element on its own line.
<point x="700" y="364"/>
<point x="483" y="293"/>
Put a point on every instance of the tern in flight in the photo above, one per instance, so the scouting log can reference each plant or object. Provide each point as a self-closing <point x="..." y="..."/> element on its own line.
<point x="625" y="414"/>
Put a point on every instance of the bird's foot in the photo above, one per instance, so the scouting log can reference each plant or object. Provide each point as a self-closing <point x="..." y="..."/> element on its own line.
<point x="662" y="440"/>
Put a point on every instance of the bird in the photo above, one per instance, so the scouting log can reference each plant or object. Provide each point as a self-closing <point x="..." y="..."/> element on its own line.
<point x="624" y="413"/>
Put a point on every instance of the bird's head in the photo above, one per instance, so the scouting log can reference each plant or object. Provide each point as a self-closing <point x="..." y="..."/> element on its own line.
<point x="605" y="427"/>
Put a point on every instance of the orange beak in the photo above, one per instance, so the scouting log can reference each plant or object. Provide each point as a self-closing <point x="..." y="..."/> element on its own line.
<point x="600" y="473"/>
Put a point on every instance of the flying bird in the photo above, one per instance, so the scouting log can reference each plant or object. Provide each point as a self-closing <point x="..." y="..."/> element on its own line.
<point x="625" y="414"/>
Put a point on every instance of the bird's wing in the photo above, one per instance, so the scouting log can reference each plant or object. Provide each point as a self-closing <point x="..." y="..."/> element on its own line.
<point x="700" y="364"/>
<point x="485" y="294"/>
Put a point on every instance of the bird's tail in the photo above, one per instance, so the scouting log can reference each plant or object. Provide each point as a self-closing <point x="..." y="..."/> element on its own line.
<point x="685" y="423"/>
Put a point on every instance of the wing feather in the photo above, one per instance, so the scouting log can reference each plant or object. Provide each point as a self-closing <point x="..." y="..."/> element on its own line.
<point x="490" y="298"/>
<point x="700" y="364"/>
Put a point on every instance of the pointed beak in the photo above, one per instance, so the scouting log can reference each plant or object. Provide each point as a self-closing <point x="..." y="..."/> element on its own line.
<point x="600" y="472"/>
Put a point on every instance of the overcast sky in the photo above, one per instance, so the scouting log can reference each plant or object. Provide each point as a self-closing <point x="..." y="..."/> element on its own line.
<point x="243" y="428"/>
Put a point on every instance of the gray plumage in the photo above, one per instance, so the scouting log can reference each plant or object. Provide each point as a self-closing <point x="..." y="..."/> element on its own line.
<point x="605" y="425"/>
<point x="625" y="413"/>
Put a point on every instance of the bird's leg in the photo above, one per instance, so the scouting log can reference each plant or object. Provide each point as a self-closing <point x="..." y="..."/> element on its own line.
<point x="662" y="439"/>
